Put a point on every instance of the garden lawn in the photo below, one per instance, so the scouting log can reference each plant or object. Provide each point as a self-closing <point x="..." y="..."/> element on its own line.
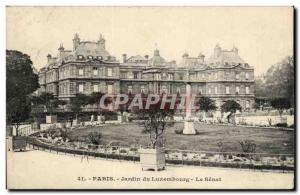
<point x="272" y="141"/>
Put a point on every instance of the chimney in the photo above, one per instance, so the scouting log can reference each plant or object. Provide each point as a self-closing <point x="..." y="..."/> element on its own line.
<point x="76" y="41"/>
<point x="217" y="51"/>
<point x="124" y="58"/>
<point x="49" y="57"/>
<point x="146" y="57"/>
<point x="201" y="58"/>
<point x="235" y="50"/>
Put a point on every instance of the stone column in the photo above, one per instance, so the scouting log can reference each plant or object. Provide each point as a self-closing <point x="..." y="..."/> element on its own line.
<point x="188" y="123"/>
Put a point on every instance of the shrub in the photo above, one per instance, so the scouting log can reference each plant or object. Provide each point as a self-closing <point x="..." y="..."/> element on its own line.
<point x="133" y="149"/>
<point x="95" y="137"/>
<point x="248" y="146"/>
<point x="178" y="131"/>
<point x="270" y="121"/>
<point x="281" y="125"/>
<point x="64" y="134"/>
<point x="122" y="151"/>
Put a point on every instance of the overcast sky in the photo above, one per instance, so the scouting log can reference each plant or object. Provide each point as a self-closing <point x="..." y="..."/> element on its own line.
<point x="263" y="35"/>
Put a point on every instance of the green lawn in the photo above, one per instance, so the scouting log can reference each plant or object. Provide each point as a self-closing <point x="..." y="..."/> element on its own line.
<point x="267" y="140"/>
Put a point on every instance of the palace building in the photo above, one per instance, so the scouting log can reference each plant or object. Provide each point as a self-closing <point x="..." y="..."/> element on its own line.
<point x="89" y="67"/>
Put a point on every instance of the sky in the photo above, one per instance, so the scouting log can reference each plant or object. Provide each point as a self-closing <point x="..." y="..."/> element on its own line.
<point x="263" y="35"/>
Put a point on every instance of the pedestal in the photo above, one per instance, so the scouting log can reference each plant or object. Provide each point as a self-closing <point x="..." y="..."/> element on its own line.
<point x="152" y="159"/>
<point x="51" y="119"/>
<point x="120" y="118"/>
<point x="189" y="128"/>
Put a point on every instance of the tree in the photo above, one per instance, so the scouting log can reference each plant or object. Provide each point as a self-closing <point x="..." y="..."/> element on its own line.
<point x="95" y="98"/>
<point x="279" y="80"/>
<point x="21" y="81"/>
<point x="77" y="102"/>
<point x="48" y="100"/>
<point x="280" y="104"/>
<point x="156" y="121"/>
<point x="207" y="104"/>
<point x="230" y="106"/>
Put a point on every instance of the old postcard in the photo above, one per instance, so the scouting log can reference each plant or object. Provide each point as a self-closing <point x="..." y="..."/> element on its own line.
<point x="150" y="98"/>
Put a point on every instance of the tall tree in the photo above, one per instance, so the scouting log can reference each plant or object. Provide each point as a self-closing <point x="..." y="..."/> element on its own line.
<point x="280" y="104"/>
<point x="48" y="100"/>
<point x="78" y="102"/>
<point x="95" y="98"/>
<point x="207" y="104"/>
<point x="230" y="106"/>
<point x="280" y="80"/>
<point x="21" y="81"/>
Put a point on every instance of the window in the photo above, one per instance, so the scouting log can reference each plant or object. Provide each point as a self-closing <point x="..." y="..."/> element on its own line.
<point x="164" y="89"/>
<point x="95" y="71"/>
<point x="90" y="57"/>
<point x="80" y="88"/>
<point x="247" y="90"/>
<point x="109" y="72"/>
<point x="164" y="74"/>
<point x="200" y="89"/>
<point x="123" y="75"/>
<point x="209" y="90"/>
<point x="227" y="89"/>
<point x="237" y="89"/>
<point x="247" y="75"/>
<point x="237" y="76"/>
<point x="170" y="76"/>
<point x="110" y="89"/>
<point x="247" y="104"/>
<point x="80" y="57"/>
<point x="135" y="75"/>
<point x="99" y="57"/>
<point x="216" y="90"/>
<point x="142" y="89"/>
<point x="180" y="76"/>
<point x="80" y="71"/>
<point x="178" y="89"/>
<point x="216" y="75"/>
<point x="130" y="89"/>
<point x="95" y="87"/>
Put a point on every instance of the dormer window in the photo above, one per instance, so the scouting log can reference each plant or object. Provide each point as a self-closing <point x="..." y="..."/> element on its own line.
<point x="80" y="57"/>
<point x="99" y="57"/>
<point x="90" y="57"/>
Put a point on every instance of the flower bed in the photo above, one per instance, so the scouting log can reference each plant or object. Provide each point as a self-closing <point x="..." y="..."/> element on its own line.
<point x="188" y="158"/>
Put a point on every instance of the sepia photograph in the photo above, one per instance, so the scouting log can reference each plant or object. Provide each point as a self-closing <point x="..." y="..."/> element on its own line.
<point x="150" y="97"/>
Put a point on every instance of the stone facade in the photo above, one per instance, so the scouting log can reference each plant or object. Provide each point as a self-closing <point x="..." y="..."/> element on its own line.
<point x="90" y="68"/>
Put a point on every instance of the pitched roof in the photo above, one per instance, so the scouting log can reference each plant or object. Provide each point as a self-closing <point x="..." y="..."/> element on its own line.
<point x="91" y="48"/>
<point x="226" y="56"/>
<point x="136" y="58"/>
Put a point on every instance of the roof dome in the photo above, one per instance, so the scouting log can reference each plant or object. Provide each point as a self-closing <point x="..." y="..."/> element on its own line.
<point x="156" y="59"/>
